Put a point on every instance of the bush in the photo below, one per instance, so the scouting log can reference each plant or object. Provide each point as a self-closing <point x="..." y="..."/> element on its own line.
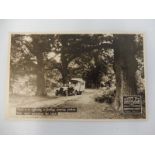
<point x="107" y="97"/>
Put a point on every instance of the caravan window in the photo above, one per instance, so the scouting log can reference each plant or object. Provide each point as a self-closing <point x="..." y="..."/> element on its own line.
<point x="74" y="82"/>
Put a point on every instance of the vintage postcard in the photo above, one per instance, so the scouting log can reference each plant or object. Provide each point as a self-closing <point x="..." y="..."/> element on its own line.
<point x="77" y="76"/>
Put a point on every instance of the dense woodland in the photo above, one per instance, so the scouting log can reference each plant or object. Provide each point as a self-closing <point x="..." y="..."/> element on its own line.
<point x="41" y="62"/>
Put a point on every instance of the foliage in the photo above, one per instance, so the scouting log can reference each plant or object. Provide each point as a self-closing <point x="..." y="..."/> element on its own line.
<point x="56" y="58"/>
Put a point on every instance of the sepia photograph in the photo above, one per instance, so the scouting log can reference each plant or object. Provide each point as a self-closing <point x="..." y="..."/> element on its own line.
<point x="76" y="76"/>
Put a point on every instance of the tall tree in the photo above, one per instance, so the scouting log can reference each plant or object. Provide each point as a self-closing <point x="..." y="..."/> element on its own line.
<point x="70" y="48"/>
<point x="125" y="67"/>
<point x="36" y="46"/>
<point x="40" y="45"/>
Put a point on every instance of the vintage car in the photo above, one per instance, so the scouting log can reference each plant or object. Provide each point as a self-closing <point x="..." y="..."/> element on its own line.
<point x="75" y="87"/>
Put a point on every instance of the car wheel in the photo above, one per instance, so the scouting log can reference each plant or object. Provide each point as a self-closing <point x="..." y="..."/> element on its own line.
<point x="66" y="93"/>
<point x="75" y="93"/>
<point x="56" y="93"/>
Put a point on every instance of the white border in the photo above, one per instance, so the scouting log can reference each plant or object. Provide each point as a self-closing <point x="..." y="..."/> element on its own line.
<point x="78" y="127"/>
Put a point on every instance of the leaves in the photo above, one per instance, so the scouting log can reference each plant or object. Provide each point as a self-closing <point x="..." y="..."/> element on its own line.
<point x="65" y="56"/>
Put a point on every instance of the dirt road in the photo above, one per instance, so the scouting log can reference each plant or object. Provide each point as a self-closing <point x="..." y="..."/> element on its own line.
<point x="87" y="107"/>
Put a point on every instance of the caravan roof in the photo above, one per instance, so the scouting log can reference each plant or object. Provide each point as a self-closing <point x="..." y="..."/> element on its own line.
<point x="78" y="79"/>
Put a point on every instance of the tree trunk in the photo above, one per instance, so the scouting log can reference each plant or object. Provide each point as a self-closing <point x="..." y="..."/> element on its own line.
<point x="41" y="89"/>
<point x="64" y="69"/>
<point x="64" y="76"/>
<point x="125" y="66"/>
<point x="64" y="72"/>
